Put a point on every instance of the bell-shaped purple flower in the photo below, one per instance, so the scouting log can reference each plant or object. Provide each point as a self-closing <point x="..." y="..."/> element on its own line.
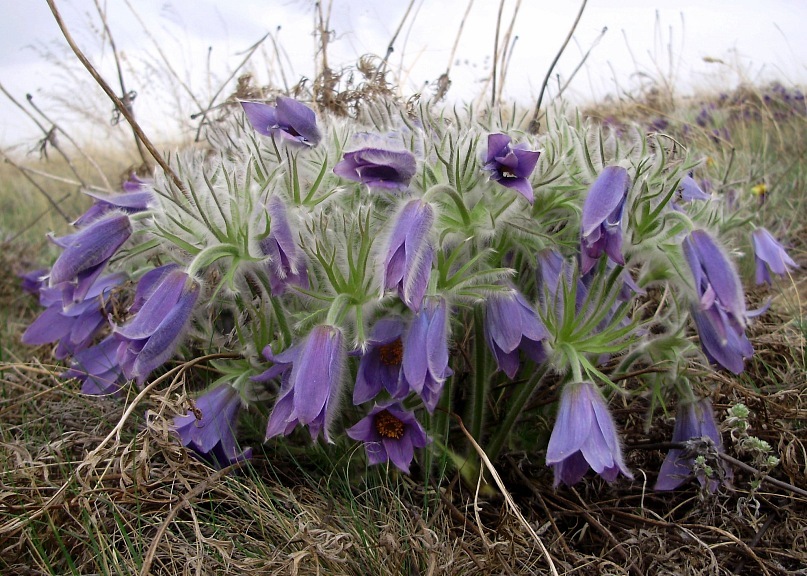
<point x="286" y="263"/>
<point x="425" y="352"/>
<point x="151" y="337"/>
<point x="381" y="366"/>
<point x="136" y="197"/>
<point x="511" y="324"/>
<point x="770" y="256"/>
<point x="378" y="168"/>
<point x="693" y="420"/>
<point x="409" y="254"/>
<point x="390" y="433"/>
<point x="86" y="254"/>
<point x="312" y="380"/>
<point x="209" y="429"/>
<point x="690" y="191"/>
<point x="97" y="368"/>
<point x="76" y="326"/>
<point x="720" y="314"/>
<point x="289" y="119"/>
<point x="584" y="436"/>
<point x="510" y="166"/>
<point x="601" y="226"/>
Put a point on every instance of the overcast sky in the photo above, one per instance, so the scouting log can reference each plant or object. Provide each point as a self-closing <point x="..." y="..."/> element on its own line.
<point x="754" y="40"/>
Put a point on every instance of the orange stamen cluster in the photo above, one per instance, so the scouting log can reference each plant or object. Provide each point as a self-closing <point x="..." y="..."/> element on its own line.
<point x="388" y="426"/>
<point x="391" y="354"/>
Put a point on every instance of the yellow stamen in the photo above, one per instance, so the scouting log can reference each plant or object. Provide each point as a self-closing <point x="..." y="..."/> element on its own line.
<point x="388" y="426"/>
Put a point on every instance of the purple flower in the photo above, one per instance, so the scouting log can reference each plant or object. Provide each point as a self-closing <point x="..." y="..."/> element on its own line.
<point x="693" y="421"/>
<point x="134" y="198"/>
<point x="209" y="428"/>
<point x="720" y="315"/>
<point x="381" y="365"/>
<point x="425" y="352"/>
<point x="76" y="326"/>
<point x="151" y="337"/>
<point x="289" y="119"/>
<point x="601" y="227"/>
<point x="510" y="166"/>
<point x="312" y="380"/>
<point x="390" y="433"/>
<point x="770" y="256"/>
<point x="98" y="369"/>
<point x="690" y="191"/>
<point x="584" y="436"/>
<point x="511" y="324"/>
<point x="86" y="254"/>
<point x="286" y="264"/>
<point x="33" y="281"/>
<point x="409" y="254"/>
<point x="378" y="168"/>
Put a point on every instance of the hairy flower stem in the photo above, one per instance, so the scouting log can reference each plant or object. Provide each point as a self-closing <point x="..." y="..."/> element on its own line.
<point x="520" y="399"/>
<point x="481" y="380"/>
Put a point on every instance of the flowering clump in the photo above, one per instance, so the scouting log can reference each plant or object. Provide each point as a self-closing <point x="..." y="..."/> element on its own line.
<point x="388" y="260"/>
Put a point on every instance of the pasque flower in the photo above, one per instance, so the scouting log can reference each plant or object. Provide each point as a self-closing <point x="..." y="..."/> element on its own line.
<point x="693" y="420"/>
<point x="720" y="314"/>
<point x="86" y="254"/>
<point x="425" y="352"/>
<point x="76" y="326"/>
<point x="209" y="429"/>
<point x="312" y="374"/>
<point x="97" y="368"/>
<point x="770" y="256"/>
<point x="409" y="254"/>
<point x="151" y="337"/>
<point x="690" y="191"/>
<point x="286" y="263"/>
<point x="381" y="366"/>
<point x="390" y="433"/>
<point x="584" y="436"/>
<point x="33" y="281"/>
<point x="511" y="166"/>
<point x="601" y="226"/>
<point x="511" y="324"/>
<point x="378" y="167"/>
<point x="288" y="119"/>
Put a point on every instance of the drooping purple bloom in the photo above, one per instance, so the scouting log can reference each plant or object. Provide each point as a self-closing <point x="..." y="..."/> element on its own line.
<point x="151" y="337"/>
<point x="312" y="374"/>
<point x="601" y="226"/>
<point x="770" y="256"/>
<point x="390" y="433"/>
<point x="98" y="369"/>
<point x="209" y="429"/>
<point x="136" y="197"/>
<point x="511" y="324"/>
<point x="289" y="119"/>
<point x="693" y="421"/>
<point x="584" y="436"/>
<point x="425" y="352"/>
<point x="74" y="327"/>
<point x="286" y="263"/>
<point x="381" y="366"/>
<point x="510" y="166"/>
<point x="690" y="191"/>
<point x="409" y="254"/>
<point x="720" y="314"/>
<point x="378" y="168"/>
<point x="86" y="254"/>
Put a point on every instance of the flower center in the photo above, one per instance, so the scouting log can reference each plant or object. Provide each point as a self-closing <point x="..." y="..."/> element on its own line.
<point x="391" y="354"/>
<point x="388" y="426"/>
<point x="508" y="173"/>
